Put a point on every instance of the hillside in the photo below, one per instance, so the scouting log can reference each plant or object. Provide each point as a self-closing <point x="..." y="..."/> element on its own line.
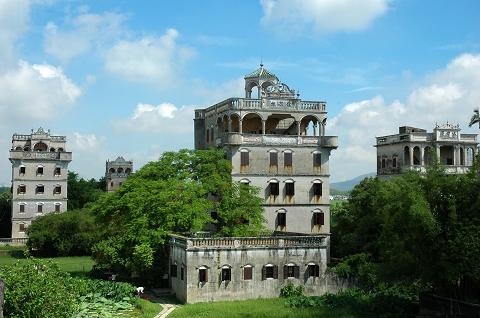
<point x="348" y="185"/>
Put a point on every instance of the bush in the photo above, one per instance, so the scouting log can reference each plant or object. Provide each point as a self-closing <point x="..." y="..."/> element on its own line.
<point x="63" y="234"/>
<point x="38" y="289"/>
<point x="116" y="291"/>
<point x="291" y="290"/>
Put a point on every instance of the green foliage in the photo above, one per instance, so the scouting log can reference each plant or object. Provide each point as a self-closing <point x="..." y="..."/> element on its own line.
<point x="37" y="289"/>
<point x="174" y="194"/>
<point x="63" y="234"/>
<point x="82" y="192"/>
<point x="96" y="306"/>
<point x="5" y="212"/>
<point x="358" y="267"/>
<point x="115" y="291"/>
<point x="290" y="290"/>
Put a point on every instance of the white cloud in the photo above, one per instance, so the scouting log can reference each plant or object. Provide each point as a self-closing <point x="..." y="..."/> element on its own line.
<point x="86" y="142"/>
<point x="86" y="31"/>
<point x="162" y="118"/>
<point x="213" y="93"/>
<point x="156" y="60"/>
<point x="38" y="91"/>
<point x="294" y="16"/>
<point x="449" y="94"/>
<point x="14" y="19"/>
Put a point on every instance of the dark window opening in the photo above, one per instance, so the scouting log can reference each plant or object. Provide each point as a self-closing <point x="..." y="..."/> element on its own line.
<point x="450" y="161"/>
<point x="39" y="208"/>
<point x="22" y="170"/>
<point x="244" y="158"/>
<point x="247" y="273"/>
<point x="290" y="189"/>
<point x="182" y="273"/>
<point x="226" y="274"/>
<point x="274" y="188"/>
<point x="288" y="159"/>
<point x="214" y="215"/>
<point x="291" y="271"/>
<point x="57" y="190"/>
<point x="57" y="207"/>
<point x="21" y="189"/>
<point x="22" y="208"/>
<point x="317" y="159"/>
<point x="318" y="218"/>
<point x="313" y="270"/>
<point x="40" y="189"/>
<point x="58" y="171"/>
<point x="39" y="171"/>
<point x="270" y="271"/>
<point x="282" y="219"/>
<point x="173" y="270"/>
<point x="394" y="162"/>
<point x="203" y="275"/>
<point x="317" y="189"/>
<point x="273" y="159"/>
<point x="384" y="162"/>
<point x="22" y="227"/>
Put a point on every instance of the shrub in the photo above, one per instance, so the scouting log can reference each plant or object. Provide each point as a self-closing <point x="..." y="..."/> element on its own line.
<point x="36" y="288"/>
<point x="116" y="291"/>
<point x="290" y="290"/>
<point x="63" y="234"/>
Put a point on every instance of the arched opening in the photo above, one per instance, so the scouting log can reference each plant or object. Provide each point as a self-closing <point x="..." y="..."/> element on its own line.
<point x="252" y="90"/>
<point x="406" y="156"/>
<point x="469" y="157"/>
<point x="310" y="126"/>
<point x="280" y="124"/>
<point x="112" y="170"/>
<point x="225" y="124"/>
<point x="18" y="148"/>
<point x="416" y="155"/>
<point x="235" y="122"/>
<point x="462" y="157"/>
<point x="40" y="146"/>
<point x="120" y="170"/>
<point x="428" y="155"/>
<point x="447" y="155"/>
<point x="60" y="149"/>
<point x="219" y="128"/>
<point x="52" y="149"/>
<point x="252" y="124"/>
<point x="128" y="170"/>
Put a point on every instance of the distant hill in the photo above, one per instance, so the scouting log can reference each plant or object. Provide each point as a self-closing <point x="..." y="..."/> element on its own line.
<point x="349" y="184"/>
<point x="3" y="189"/>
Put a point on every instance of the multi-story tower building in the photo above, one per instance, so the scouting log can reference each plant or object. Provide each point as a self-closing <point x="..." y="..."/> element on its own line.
<point x="277" y="143"/>
<point x="414" y="148"/>
<point x="116" y="172"/>
<point x="39" y="177"/>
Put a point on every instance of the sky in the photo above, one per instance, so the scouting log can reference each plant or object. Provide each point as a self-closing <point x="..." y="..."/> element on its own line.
<point x="122" y="78"/>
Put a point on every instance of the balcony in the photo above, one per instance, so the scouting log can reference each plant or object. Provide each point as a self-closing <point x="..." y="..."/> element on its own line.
<point x="35" y="155"/>
<point x="269" y="105"/>
<point x="277" y="140"/>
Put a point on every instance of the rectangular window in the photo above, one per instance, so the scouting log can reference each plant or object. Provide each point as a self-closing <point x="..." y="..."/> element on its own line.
<point x="273" y="159"/>
<point x="226" y="274"/>
<point x="288" y="159"/>
<point x="40" y="190"/>
<point x="291" y="271"/>
<point x="57" y="190"/>
<point x="182" y="274"/>
<point x="22" y="208"/>
<point x="21" y="227"/>
<point x="39" y="208"/>
<point x="39" y="171"/>
<point x="274" y="188"/>
<point x="57" y="207"/>
<point x="318" y="218"/>
<point x="203" y="275"/>
<point x="21" y="189"/>
<point x="248" y="273"/>
<point x="394" y="163"/>
<point x="282" y="219"/>
<point x="313" y="270"/>
<point x="22" y="170"/>
<point x="290" y="189"/>
<point x="173" y="270"/>
<point x="317" y="189"/>
<point x="58" y="171"/>
<point x="244" y="158"/>
<point x="270" y="271"/>
<point x="317" y="159"/>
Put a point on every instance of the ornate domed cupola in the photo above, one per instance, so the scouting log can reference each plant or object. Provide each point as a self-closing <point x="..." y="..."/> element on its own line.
<point x="261" y="79"/>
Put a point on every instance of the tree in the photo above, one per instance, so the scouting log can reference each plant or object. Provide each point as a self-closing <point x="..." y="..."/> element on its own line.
<point x="177" y="193"/>
<point x="81" y="191"/>
<point x="5" y="213"/>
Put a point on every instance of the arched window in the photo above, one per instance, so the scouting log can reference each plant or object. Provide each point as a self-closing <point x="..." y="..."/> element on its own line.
<point x="289" y="188"/>
<point x="128" y="171"/>
<point x="313" y="270"/>
<point x="57" y="206"/>
<point x="18" y="148"/>
<point x="318" y="218"/>
<point x="39" y="170"/>
<point x="273" y="187"/>
<point x="406" y="156"/>
<point x="247" y="272"/>
<point x="40" y="189"/>
<point x="57" y="189"/>
<point x="22" y="189"/>
<point x="40" y="207"/>
<point x="120" y="170"/>
<point x="202" y="274"/>
<point x="281" y="219"/>
<point x="52" y="149"/>
<point x="291" y="270"/>
<point x="226" y="275"/>
<point x="40" y="146"/>
<point x="60" y="149"/>
<point x="111" y="170"/>
<point x="269" y="271"/>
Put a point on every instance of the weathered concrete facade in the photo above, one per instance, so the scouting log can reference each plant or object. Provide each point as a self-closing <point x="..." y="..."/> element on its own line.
<point x="215" y="269"/>
<point x="414" y="148"/>
<point x="276" y="142"/>
<point x="39" y="177"/>
<point x="116" y="172"/>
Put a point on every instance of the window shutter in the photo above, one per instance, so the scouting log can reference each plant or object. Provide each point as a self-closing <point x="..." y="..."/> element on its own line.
<point x="317" y="271"/>
<point x="275" y="271"/>
<point x="296" y="272"/>
<point x="273" y="159"/>
<point x="321" y="220"/>
<point x="288" y="159"/>
<point x="317" y="159"/>
<point x="264" y="274"/>
<point x="285" y="271"/>
<point x="244" y="158"/>
<point x="247" y="273"/>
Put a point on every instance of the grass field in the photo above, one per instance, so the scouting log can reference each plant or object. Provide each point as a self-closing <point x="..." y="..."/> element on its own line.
<point x="75" y="265"/>
<point x="258" y="308"/>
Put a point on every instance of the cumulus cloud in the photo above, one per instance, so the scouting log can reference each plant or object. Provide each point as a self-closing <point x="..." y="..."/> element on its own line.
<point x="450" y="94"/>
<point x="86" y="142"/>
<point x="14" y="19"/>
<point x="164" y="117"/>
<point x="35" y="91"/>
<point x="321" y="16"/>
<point x="83" y="32"/>
<point x="213" y="93"/>
<point x="156" y="60"/>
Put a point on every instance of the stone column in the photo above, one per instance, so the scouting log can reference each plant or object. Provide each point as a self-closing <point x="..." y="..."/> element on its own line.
<point x="437" y="150"/>
<point x="240" y="123"/>
<point x="263" y="127"/>
<point x="315" y="129"/>
<point x="229" y="124"/>
<point x="422" y="156"/>
<point x="410" y="152"/>
<point x="455" y="155"/>
<point x="298" y="127"/>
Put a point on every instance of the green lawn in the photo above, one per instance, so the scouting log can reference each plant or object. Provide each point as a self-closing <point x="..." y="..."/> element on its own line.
<point x="146" y="309"/>
<point x="75" y="265"/>
<point x="258" y="308"/>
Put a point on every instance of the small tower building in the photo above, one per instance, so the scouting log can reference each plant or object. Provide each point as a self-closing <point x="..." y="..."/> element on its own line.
<point x="116" y="172"/>
<point x="39" y="177"/>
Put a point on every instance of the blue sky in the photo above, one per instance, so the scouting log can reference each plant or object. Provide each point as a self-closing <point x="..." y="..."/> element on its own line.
<point x="123" y="77"/>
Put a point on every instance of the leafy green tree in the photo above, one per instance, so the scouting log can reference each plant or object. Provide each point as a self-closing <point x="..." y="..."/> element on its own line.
<point x="5" y="213"/>
<point x="81" y="191"/>
<point x="177" y="193"/>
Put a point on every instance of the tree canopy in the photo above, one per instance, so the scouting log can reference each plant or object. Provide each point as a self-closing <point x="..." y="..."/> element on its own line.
<point x="184" y="191"/>
<point x="81" y="191"/>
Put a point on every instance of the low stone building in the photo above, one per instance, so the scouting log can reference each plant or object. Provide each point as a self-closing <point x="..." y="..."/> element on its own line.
<point x="414" y="148"/>
<point x="238" y="268"/>
<point x="116" y="172"/>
